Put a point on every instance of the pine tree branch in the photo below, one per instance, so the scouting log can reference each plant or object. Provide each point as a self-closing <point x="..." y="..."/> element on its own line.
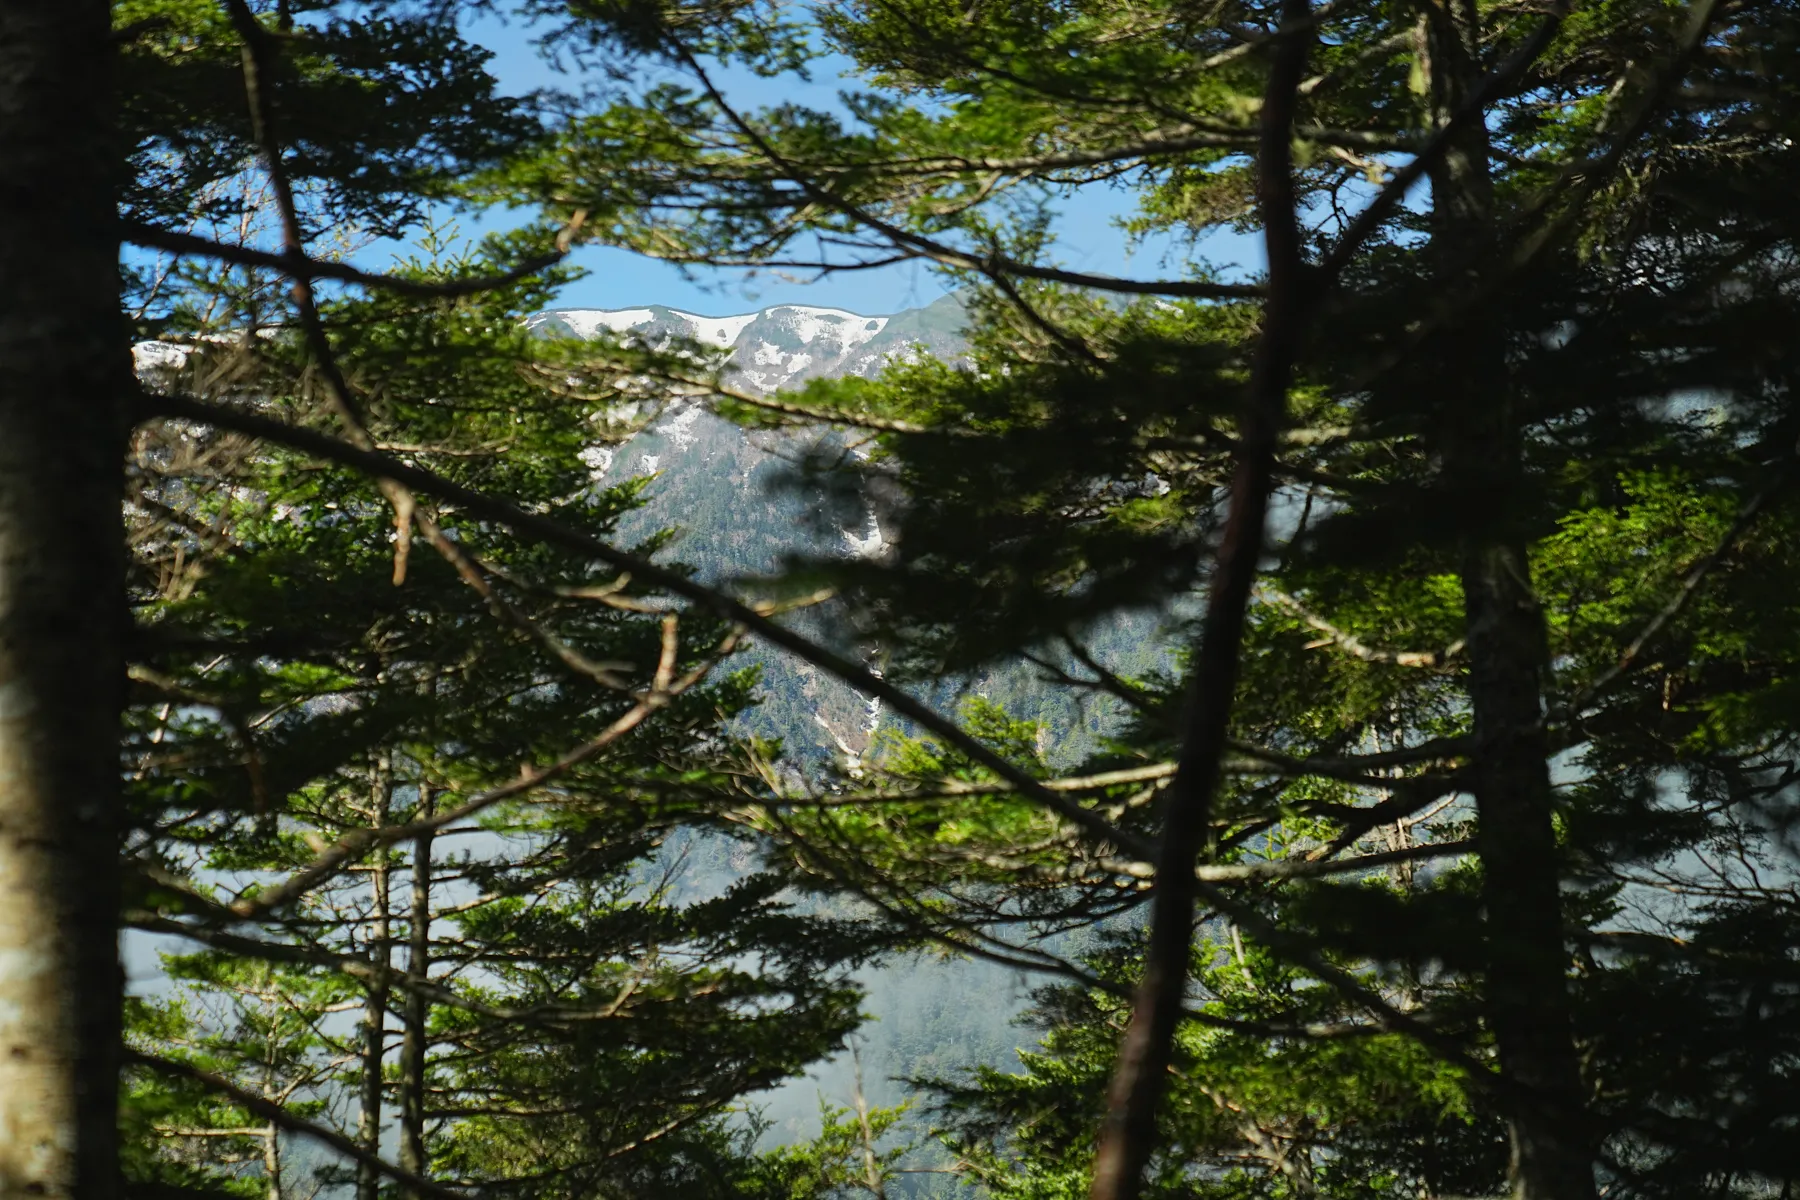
<point x="972" y="941"/>
<point x="993" y="265"/>
<point x="279" y="1115"/>
<point x="1255" y="760"/>
<point x="1435" y="660"/>
<point x="1253" y="871"/>
<point x="951" y="789"/>
<point x="1506" y="1095"/>
<point x="1181" y="140"/>
<point x="553" y="532"/>
<point x="256" y="948"/>
<point x="1354" y="768"/>
<point x="1311" y="868"/>
<point x="559" y="1016"/>
<point x="304" y="266"/>
<point x="1676" y="604"/>
<point x="358" y="842"/>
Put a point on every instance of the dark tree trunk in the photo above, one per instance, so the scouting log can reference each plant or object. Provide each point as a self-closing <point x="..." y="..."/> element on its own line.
<point x="413" y="1043"/>
<point x="1128" y="1132"/>
<point x="1527" y="1003"/>
<point x="374" y="1030"/>
<point x="64" y="375"/>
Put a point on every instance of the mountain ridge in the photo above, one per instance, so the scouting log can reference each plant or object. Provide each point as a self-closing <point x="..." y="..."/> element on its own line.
<point x="781" y="346"/>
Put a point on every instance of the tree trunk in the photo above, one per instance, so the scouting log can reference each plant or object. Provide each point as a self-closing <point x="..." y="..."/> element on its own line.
<point x="874" y="1177"/>
<point x="270" y="995"/>
<point x="1526" y="1002"/>
<point x="374" y="1030"/>
<point x="418" y="963"/>
<point x="64" y="375"/>
<point x="272" y="1162"/>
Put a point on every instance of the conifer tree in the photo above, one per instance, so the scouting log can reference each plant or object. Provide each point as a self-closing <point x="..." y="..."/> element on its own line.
<point x="499" y="746"/>
<point x="330" y="673"/>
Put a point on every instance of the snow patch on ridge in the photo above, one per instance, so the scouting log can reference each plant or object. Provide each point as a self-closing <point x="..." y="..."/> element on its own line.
<point x="782" y="346"/>
<point x="847" y="329"/>
<point x="588" y="322"/>
<point x="148" y="357"/>
<point x="722" y="331"/>
<point x="598" y="460"/>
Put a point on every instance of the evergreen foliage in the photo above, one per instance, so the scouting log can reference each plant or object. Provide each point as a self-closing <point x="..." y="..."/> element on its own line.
<point x="407" y="781"/>
<point x="1362" y="687"/>
<point x="1509" y="740"/>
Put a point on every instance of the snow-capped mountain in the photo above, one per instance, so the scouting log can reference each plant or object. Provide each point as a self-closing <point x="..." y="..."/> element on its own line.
<point x="782" y="346"/>
<point x="734" y="497"/>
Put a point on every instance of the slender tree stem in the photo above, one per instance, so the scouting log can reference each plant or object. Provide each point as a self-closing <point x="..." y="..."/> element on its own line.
<point x="1128" y="1136"/>
<point x="413" y="1043"/>
<point x="374" y="1031"/>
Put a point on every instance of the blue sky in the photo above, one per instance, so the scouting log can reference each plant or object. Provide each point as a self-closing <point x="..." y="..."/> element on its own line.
<point x="1088" y="238"/>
